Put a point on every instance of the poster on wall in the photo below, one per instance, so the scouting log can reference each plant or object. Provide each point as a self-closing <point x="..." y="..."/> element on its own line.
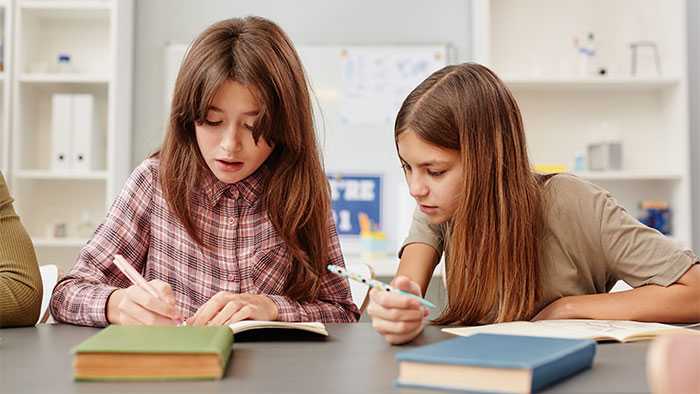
<point x="352" y="195"/>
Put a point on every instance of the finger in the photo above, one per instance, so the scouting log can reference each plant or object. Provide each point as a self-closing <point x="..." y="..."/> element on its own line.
<point x="386" y="327"/>
<point x="244" y="313"/>
<point x="401" y="339"/>
<point x="225" y="313"/>
<point x="210" y="308"/>
<point x="404" y="283"/>
<point x="153" y="304"/>
<point x="165" y="292"/>
<point x="127" y="320"/>
<point x="395" y="314"/>
<point x="135" y="312"/>
<point x="394" y="300"/>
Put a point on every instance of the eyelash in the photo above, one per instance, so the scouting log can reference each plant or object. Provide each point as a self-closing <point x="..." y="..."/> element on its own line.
<point x="219" y="123"/>
<point x="213" y="124"/>
<point x="435" y="174"/>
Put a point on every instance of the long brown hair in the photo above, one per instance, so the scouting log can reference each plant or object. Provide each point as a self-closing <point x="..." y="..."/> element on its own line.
<point x="495" y="232"/>
<point x="257" y="53"/>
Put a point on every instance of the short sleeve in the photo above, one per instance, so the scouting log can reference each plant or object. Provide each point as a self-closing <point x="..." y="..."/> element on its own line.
<point x="422" y="231"/>
<point x="638" y="254"/>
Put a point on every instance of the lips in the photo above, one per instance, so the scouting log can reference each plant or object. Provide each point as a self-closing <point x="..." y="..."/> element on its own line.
<point x="229" y="165"/>
<point x="428" y="209"/>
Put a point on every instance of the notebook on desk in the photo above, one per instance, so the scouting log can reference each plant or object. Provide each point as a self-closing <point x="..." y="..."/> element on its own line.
<point x="494" y="363"/>
<point x="248" y="325"/>
<point x="599" y="330"/>
<point x="153" y="353"/>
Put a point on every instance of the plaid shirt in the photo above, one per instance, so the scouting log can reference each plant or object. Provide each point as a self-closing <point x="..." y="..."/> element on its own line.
<point x="248" y="256"/>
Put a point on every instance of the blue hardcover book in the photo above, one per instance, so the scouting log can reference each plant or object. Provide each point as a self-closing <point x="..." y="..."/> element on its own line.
<point x="494" y="363"/>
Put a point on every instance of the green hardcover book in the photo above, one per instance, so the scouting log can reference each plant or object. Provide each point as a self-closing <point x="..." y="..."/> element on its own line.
<point x="153" y="353"/>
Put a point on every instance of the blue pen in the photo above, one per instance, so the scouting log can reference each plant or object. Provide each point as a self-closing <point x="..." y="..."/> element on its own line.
<point x="375" y="284"/>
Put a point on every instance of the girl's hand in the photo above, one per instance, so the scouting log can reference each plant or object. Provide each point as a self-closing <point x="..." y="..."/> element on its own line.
<point x="398" y="318"/>
<point x="135" y="306"/>
<point x="226" y="308"/>
<point x="559" y="309"/>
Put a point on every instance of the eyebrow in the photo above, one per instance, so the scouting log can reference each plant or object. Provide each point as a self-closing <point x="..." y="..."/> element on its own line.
<point x="248" y="113"/>
<point x="428" y="163"/>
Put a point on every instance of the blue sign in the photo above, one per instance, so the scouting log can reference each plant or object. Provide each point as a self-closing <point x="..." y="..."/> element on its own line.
<point x="352" y="195"/>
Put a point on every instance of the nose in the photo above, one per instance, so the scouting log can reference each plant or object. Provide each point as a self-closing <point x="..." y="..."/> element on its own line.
<point x="417" y="187"/>
<point x="231" y="140"/>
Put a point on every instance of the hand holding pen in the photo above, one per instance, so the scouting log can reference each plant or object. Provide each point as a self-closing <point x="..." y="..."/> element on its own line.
<point x="143" y="303"/>
<point x="398" y="311"/>
<point x="396" y="317"/>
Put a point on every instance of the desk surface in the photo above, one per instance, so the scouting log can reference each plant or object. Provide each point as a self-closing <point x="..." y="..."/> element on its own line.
<point x="354" y="359"/>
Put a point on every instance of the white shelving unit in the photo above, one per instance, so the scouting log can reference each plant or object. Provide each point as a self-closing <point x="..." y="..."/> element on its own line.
<point x="6" y="12"/>
<point x="530" y="45"/>
<point x="97" y="34"/>
<point x="599" y="84"/>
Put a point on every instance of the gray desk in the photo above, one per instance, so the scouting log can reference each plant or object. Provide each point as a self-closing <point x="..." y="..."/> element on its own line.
<point x="353" y="360"/>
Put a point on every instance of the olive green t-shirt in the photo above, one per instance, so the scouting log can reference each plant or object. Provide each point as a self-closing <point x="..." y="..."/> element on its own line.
<point x="590" y="242"/>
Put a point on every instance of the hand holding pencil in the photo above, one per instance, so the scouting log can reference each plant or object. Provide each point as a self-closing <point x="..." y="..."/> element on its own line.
<point x="143" y="303"/>
<point x="395" y="316"/>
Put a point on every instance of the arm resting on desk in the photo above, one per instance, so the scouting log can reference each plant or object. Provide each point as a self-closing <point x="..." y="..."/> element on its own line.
<point x="677" y="303"/>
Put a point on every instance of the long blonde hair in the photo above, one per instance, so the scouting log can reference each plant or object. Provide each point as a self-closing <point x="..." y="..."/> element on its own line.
<point x="257" y="53"/>
<point x="495" y="233"/>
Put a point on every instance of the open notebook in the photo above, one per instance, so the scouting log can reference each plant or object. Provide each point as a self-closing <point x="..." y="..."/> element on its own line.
<point x="599" y="330"/>
<point x="247" y="325"/>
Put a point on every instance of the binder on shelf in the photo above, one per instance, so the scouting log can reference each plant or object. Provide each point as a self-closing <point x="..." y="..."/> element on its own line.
<point x="85" y="143"/>
<point x="61" y="136"/>
<point x="74" y="142"/>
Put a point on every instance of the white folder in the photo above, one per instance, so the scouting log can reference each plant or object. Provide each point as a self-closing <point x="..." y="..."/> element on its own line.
<point x="85" y="148"/>
<point x="61" y="135"/>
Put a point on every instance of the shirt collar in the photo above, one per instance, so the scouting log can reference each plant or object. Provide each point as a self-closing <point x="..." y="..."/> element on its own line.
<point x="248" y="189"/>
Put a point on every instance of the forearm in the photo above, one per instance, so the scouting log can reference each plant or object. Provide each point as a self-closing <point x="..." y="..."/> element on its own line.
<point x="81" y="296"/>
<point x="673" y="304"/>
<point x="418" y="262"/>
<point x="20" y="298"/>
<point x="323" y="311"/>
<point x="20" y="281"/>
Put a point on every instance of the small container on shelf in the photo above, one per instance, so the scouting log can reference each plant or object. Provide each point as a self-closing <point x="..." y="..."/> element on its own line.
<point x="657" y="215"/>
<point x="64" y="64"/>
<point x="373" y="243"/>
<point x="86" y="226"/>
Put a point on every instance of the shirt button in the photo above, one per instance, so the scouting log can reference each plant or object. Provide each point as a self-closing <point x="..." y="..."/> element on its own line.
<point x="232" y="221"/>
<point x="231" y="277"/>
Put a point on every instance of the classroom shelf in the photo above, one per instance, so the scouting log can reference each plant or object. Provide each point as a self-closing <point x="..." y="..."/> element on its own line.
<point x="595" y="84"/>
<point x="59" y="242"/>
<point x="629" y="175"/>
<point x="566" y="107"/>
<point x="64" y="78"/>
<point x="66" y="8"/>
<point x="61" y="175"/>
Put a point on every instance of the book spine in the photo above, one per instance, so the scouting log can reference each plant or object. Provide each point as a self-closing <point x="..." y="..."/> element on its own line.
<point x="564" y="367"/>
<point x="223" y="341"/>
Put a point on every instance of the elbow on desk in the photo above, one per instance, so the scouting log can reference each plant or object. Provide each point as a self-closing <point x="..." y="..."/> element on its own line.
<point x="21" y="307"/>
